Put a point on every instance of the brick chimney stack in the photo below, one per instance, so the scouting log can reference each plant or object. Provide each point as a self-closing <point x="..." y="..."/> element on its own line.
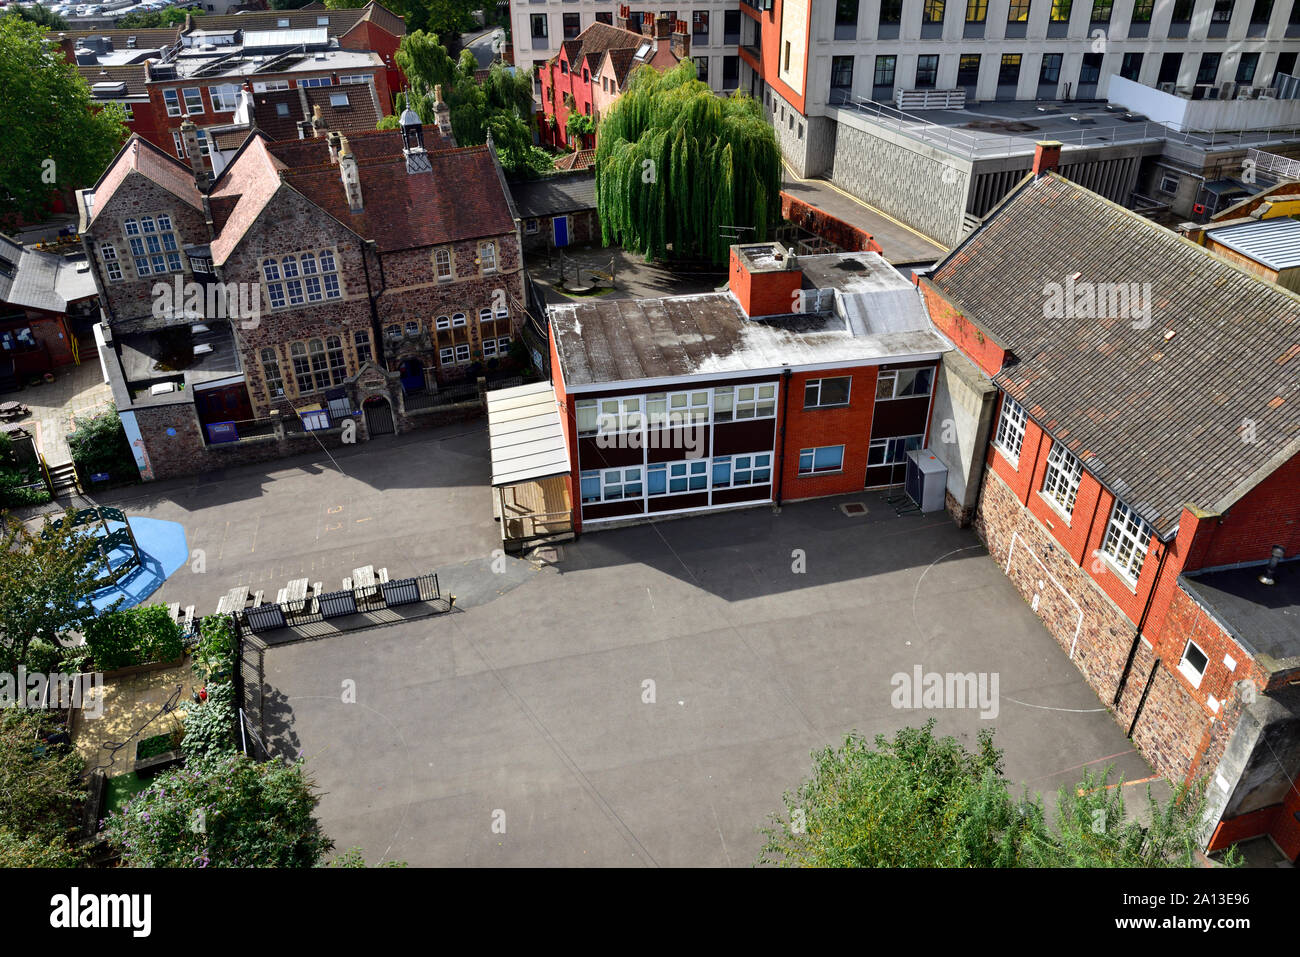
<point x="1047" y="156"/>
<point x="190" y="136"/>
<point x="764" y="278"/>
<point x="442" y="113"/>
<point x="351" y="175"/>
<point x="663" y="27"/>
<point x="681" y="41"/>
<point x="624" y="19"/>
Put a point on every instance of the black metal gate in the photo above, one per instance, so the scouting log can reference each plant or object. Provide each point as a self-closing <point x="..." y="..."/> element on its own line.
<point x="379" y="417"/>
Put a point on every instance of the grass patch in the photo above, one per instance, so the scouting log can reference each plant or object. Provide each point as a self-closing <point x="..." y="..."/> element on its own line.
<point x="120" y="788"/>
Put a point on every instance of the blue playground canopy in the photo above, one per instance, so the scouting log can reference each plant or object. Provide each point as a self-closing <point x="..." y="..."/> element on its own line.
<point x="134" y="556"/>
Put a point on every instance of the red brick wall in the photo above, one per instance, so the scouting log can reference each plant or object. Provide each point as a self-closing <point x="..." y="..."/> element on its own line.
<point x="848" y="237"/>
<point x="849" y="426"/>
<point x="1268" y="515"/>
<point x="976" y="346"/>
<point x="763" y="293"/>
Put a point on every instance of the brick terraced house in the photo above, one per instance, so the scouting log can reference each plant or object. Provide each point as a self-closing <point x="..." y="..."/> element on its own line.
<point x="1142" y="485"/>
<point x="809" y="377"/>
<point x="378" y="273"/>
<point x="196" y="70"/>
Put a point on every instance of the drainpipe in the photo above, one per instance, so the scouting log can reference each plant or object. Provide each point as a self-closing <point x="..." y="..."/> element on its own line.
<point x="785" y="404"/>
<point x="375" y="330"/>
<point x="1137" y="638"/>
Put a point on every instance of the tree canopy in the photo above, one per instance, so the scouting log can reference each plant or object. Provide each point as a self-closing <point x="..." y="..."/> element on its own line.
<point x="40" y="14"/>
<point x="52" y="136"/>
<point x="446" y="18"/>
<point x="502" y="103"/>
<point x="41" y="794"/>
<point x="675" y="164"/>
<point x="153" y="19"/>
<point x="919" y="801"/>
<point x="43" y="585"/>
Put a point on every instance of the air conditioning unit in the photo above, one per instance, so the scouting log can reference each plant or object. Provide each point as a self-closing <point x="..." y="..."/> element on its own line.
<point x="926" y="480"/>
<point x="1227" y="90"/>
<point x="1168" y="87"/>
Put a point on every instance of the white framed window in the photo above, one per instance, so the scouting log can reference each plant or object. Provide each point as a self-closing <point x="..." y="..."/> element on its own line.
<point x="1168" y="183"/>
<point x="172" y="100"/>
<point x="503" y="312"/>
<point x="1127" y="537"/>
<point x="1192" y="665"/>
<point x="193" y="97"/>
<point x="225" y="98"/>
<point x="828" y="458"/>
<point x="485" y="315"/>
<point x="338" y="99"/>
<point x="444" y="322"/>
<point x="129" y="110"/>
<point x="614" y="485"/>
<point x="178" y="141"/>
<point x="301" y="278"/>
<point x="827" y="393"/>
<point x="361" y="340"/>
<point x="112" y="265"/>
<point x="1010" y="435"/>
<point x="738" y="470"/>
<point x="733" y="403"/>
<point x="904" y="383"/>
<point x="530" y="227"/>
<point x="489" y="348"/>
<point x="154" y="248"/>
<point x="266" y="86"/>
<point x="487" y="257"/>
<point x="503" y="344"/>
<point x="442" y="264"/>
<point x="462" y="353"/>
<point x="446" y="356"/>
<point x="621" y="414"/>
<point x="684" y="407"/>
<point x="674" y="478"/>
<point x="457" y="319"/>
<point x="411" y="329"/>
<point x="315" y="81"/>
<point x="1061" y="483"/>
<point x="586" y="413"/>
<point x="271" y="372"/>
<point x="350" y="79"/>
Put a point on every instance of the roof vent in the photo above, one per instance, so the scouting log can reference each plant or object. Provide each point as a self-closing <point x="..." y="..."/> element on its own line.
<point x="1270" y="574"/>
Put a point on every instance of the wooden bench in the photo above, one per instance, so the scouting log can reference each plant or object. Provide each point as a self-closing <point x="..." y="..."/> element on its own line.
<point x="382" y="575"/>
<point x="347" y="584"/>
<point x="257" y="598"/>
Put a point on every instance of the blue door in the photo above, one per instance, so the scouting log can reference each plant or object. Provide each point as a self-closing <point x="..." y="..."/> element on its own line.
<point x="412" y="372"/>
<point x="561" y="224"/>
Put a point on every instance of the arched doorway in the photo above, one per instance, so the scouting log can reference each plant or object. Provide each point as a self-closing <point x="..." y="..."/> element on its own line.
<point x="379" y="416"/>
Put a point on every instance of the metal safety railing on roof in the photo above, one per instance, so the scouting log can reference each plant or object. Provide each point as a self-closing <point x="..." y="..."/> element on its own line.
<point x="977" y="146"/>
<point x="1264" y="162"/>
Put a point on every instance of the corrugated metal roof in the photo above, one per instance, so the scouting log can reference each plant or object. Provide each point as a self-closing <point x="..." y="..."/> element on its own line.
<point x="525" y="434"/>
<point x="1273" y="242"/>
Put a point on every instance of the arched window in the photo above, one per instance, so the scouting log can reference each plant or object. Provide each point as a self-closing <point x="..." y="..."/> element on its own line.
<point x="412" y="329"/>
<point x="444" y="322"/>
<point x="338" y="364"/>
<point x="485" y="315"/>
<point x="301" y="367"/>
<point x="458" y="319"/>
<point x="319" y="363"/>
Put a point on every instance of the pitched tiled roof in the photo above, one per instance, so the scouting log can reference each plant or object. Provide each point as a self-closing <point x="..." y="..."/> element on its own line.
<point x="381" y="16"/>
<point x="240" y="194"/>
<point x="366" y="144"/>
<point x="598" y="38"/>
<point x="141" y="156"/>
<point x="340" y="21"/>
<point x="1154" y="409"/>
<point x="622" y="61"/>
<point x="579" y="159"/>
<point x="360" y="113"/>
<point x="132" y="74"/>
<point x="462" y="198"/>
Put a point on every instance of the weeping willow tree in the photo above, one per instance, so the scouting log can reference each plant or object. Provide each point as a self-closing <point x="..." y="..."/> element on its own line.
<point x="676" y="164"/>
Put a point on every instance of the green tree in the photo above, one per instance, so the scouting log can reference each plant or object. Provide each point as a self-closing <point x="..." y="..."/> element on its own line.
<point x="41" y="794"/>
<point x="52" y="136"/>
<point x="228" y="811"/>
<point x="41" y="15"/>
<point x="44" y="580"/>
<point x="502" y="103"/>
<point x="133" y="636"/>
<point x="920" y="801"/>
<point x="153" y="19"/>
<point x="676" y="163"/>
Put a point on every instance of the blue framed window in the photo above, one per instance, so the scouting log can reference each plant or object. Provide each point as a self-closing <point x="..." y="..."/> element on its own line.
<point x="590" y="487"/>
<point x="722" y="472"/>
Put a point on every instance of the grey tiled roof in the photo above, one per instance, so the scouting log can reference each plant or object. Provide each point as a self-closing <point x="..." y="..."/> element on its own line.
<point x="1196" y="408"/>
<point x="34" y="279"/>
<point x="556" y="195"/>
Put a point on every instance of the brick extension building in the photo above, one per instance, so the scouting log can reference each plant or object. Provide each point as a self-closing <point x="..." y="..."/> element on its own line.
<point x="382" y="271"/>
<point x="809" y="377"/>
<point x="1143" y="470"/>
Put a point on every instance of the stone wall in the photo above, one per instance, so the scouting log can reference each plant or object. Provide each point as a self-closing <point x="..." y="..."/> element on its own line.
<point x="1094" y="633"/>
<point x="807" y="142"/>
<point x="922" y="186"/>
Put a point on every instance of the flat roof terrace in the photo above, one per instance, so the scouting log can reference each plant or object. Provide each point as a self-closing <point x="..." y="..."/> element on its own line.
<point x="1012" y="128"/>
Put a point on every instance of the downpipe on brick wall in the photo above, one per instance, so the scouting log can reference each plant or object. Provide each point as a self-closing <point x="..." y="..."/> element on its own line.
<point x="1137" y="639"/>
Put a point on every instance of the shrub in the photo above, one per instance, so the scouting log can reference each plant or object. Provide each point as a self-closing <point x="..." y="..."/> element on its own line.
<point x="99" y="444"/>
<point x="156" y="745"/>
<point x="231" y="811"/>
<point x="209" y="727"/>
<point x="135" y="636"/>
<point x="214" y="656"/>
<point x="41" y="792"/>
